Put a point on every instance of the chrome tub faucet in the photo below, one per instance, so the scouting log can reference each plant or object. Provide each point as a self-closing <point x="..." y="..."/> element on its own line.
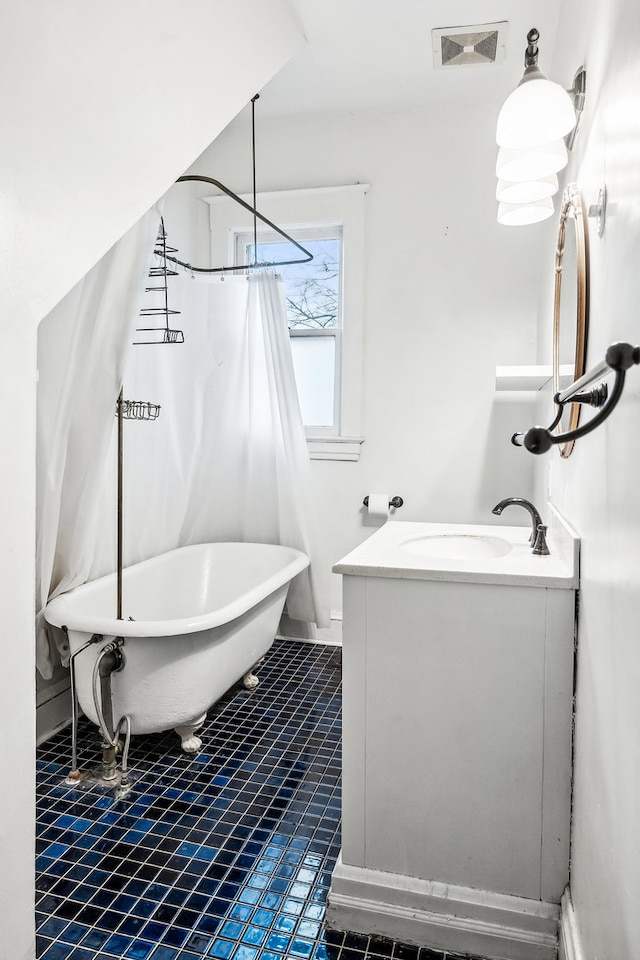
<point x="538" y="538"/>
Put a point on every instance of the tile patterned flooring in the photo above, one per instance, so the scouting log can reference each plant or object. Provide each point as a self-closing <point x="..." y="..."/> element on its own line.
<point x="227" y="854"/>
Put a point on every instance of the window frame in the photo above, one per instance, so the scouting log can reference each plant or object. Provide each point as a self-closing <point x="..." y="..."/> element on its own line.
<point x="327" y="231"/>
<point x="317" y="207"/>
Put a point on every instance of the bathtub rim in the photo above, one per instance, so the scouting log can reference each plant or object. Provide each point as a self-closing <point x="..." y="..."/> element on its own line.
<point x="59" y="610"/>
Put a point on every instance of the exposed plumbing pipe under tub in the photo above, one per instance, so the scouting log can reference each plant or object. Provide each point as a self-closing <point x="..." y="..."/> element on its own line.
<point x="74" y="773"/>
<point x="110" y="660"/>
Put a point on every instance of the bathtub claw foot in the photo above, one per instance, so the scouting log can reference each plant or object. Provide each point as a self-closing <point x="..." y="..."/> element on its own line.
<point x="250" y="681"/>
<point x="187" y="733"/>
<point x="190" y="744"/>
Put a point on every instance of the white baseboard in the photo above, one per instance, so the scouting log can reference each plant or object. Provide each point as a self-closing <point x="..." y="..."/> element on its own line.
<point x="442" y="916"/>
<point x="301" y="630"/>
<point x="570" y="947"/>
<point x="54" y="713"/>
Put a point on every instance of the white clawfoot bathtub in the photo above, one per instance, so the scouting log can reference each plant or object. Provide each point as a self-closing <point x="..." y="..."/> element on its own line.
<point x="195" y="620"/>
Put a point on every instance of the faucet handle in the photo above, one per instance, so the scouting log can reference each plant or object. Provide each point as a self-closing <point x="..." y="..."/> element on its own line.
<point x="540" y="548"/>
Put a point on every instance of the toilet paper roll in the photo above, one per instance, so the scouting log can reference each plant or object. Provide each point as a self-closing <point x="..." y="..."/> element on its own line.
<point x="378" y="505"/>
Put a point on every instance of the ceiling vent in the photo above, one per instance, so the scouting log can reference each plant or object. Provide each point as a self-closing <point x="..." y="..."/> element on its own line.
<point x="466" y="46"/>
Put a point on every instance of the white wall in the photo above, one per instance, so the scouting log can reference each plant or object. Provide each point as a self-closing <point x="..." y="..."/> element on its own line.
<point x="89" y="95"/>
<point x="597" y="488"/>
<point x="449" y="294"/>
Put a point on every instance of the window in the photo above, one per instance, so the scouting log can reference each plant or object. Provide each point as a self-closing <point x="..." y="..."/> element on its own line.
<point x="313" y="292"/>
<point x="325" y="299"/>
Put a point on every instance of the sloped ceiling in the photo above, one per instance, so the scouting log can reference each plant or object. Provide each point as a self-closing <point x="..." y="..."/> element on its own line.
<point x="104" y="107"/>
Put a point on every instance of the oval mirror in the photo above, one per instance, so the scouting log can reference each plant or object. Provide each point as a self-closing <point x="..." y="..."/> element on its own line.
<point x="570" y="305"/>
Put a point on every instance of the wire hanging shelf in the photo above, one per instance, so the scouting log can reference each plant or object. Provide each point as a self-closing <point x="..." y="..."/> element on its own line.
<point x="160" y="270"/>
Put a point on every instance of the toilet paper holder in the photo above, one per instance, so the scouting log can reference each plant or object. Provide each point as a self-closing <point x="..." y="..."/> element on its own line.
<point x="394" y="502"/>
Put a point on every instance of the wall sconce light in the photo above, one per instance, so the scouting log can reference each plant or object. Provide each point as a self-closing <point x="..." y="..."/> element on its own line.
<point x="522" y="214"/>
<point x="536" y="125"/>
<point x="526" y="191"/>
<point x="530" y="164"/>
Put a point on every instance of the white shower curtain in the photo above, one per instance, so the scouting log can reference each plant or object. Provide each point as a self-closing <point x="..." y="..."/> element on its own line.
<point x="226" y="460"/>
<point x="82" y="345"/>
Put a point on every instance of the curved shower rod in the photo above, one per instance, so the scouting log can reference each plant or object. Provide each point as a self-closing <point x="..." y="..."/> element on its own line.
<point x="618" y="359"/>
<point x="257" y="216"/>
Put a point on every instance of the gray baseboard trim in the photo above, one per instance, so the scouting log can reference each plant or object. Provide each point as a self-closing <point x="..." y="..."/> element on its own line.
<point x="442" y="916"/>
<point x="570" y="947"/>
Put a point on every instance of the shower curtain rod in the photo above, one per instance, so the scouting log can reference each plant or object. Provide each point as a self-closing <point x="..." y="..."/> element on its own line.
<point x="257" y="216"/>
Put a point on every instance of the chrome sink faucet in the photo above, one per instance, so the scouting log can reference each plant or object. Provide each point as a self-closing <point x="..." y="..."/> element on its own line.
<point x="538" y="538"/>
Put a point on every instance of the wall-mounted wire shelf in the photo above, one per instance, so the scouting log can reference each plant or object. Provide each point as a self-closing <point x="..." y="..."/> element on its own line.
<point x="138" y="410"/>
<point x="618" y="359"/>
<point x="160" y="271"/>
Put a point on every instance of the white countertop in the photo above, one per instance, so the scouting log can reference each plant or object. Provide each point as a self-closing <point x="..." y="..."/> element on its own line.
<point x="384" y="554"/>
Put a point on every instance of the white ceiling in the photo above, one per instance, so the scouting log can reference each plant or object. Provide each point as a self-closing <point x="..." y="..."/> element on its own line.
<point x="376" y="55"/>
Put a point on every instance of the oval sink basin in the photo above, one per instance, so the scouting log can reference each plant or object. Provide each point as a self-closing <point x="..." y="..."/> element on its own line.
<point x="457" y="546"/>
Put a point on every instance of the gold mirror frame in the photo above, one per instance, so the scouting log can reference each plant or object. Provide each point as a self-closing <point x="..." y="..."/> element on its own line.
<point x="572" y="209"/>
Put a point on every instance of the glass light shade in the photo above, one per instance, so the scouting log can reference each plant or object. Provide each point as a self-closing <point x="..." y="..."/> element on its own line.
<point x="531" y="164"/>
<point x="536" y="112"/>
<point x="522" y="214"/>
<point x="526" y="191"/>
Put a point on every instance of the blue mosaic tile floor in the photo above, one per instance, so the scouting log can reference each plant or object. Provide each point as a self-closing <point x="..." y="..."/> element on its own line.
<point x="227" y="854"/>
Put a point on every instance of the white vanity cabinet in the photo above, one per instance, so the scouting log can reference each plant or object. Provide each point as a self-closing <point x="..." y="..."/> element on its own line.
<point x="458" y="686"/>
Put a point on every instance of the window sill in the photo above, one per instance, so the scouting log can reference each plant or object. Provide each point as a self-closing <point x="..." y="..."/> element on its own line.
<point x="334" y="448"/>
